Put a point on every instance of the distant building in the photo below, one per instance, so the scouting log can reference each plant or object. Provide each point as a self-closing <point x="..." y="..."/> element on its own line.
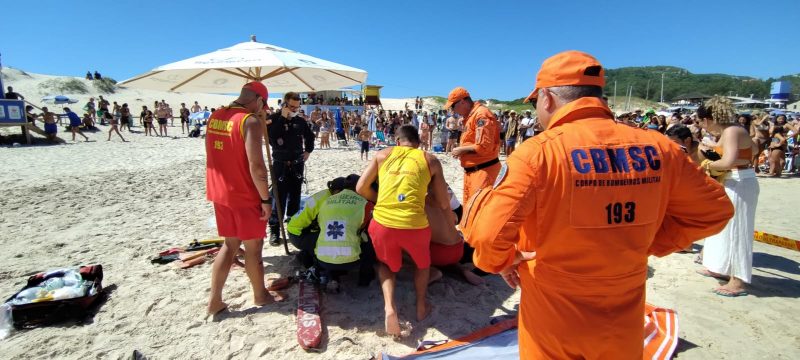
<point x="795" y="106"/>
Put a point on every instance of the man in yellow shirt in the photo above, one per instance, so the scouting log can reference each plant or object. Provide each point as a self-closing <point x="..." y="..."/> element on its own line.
<point x="406" y="175"/>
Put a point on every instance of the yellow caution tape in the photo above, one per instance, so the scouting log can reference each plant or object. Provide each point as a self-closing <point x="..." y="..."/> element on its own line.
<point x="776" y="240"/>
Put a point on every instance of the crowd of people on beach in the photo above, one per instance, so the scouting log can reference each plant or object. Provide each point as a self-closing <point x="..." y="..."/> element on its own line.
<point x="665" y="183"/>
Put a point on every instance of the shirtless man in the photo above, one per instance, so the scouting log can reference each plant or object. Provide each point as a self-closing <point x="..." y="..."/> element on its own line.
<point x="447" y="244"/>
<point x="196" y="107"/>
<point x="452" y="127"/>
<point x="50" y="127"/>
<point x="162" y="113"/>
<point x="399" y="221"/>
<point x="184" y="112"/>
<point x="364" y="136"/>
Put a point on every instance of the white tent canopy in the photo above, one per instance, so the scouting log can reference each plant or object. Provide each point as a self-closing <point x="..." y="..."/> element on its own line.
<point x="226" y="70"/>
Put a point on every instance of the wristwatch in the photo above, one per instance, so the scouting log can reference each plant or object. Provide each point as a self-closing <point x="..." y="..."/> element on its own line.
<point x="267" y="201"/>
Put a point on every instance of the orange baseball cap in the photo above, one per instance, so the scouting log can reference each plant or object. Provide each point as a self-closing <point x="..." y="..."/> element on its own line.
<point x="455" y="95"/>
<point x="568" y="68"/>
<point x="258" y="88"/>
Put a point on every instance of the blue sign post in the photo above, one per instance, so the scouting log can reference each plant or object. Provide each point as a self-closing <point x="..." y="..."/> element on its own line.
<point x="2" y="88"/>
<point x="12" y="112"/>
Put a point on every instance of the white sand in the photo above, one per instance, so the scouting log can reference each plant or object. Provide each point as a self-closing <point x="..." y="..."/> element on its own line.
<point x="118" y="204"/>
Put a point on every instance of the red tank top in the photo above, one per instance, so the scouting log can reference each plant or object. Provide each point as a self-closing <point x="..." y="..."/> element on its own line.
<point x="228" y="179"/>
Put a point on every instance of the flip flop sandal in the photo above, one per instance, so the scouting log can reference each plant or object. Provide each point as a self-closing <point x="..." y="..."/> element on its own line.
<point x="727" y="293"/>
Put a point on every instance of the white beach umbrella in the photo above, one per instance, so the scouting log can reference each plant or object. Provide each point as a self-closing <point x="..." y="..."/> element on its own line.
<point x="225" y="71"/>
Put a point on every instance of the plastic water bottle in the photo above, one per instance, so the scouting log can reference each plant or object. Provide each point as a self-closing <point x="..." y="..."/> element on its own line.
<point x="27" y="296"/>
<point x="6" y="321"/>
<point x="53" y="283"/>
<point x="72" y="278"/>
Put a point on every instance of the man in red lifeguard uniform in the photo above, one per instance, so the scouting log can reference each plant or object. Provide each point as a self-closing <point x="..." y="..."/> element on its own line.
<point x="237" y="184"/>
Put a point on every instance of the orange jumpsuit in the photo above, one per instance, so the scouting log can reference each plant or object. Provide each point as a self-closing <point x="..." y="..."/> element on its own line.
<point x="593" y="199"/>
<point x="481" y="130"/>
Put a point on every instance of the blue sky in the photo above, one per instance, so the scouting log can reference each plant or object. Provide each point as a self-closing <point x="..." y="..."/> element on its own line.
<point x="410" y="47"/>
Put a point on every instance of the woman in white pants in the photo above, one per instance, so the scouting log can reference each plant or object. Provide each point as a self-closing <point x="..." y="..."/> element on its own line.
<point x="729" y="254"/>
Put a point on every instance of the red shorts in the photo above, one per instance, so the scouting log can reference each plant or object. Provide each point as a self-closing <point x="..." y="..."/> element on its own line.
<point x="390" y="244"/>
<point x="241" y="223"/>
<point x="443" y="255"/>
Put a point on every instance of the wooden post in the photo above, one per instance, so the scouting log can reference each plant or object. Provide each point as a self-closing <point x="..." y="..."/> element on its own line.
<point x="275" y="194"/>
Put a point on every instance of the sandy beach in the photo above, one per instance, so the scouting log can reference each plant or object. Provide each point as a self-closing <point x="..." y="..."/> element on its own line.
<point x="118" y="204"/>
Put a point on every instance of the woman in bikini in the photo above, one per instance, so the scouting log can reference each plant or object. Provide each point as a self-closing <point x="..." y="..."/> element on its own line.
<point x="729" y="254"/>
<point x="324" y="131"/>
<point x="113" y="120"/>
<point x="777" y="151"/>
<point x="759" y="131"/>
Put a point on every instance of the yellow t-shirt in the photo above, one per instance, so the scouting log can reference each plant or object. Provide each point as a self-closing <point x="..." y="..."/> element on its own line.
<point x="403" y="184"/>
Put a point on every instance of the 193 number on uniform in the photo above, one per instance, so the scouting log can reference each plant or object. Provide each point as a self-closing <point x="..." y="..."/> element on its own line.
<point x="615" y="214"/>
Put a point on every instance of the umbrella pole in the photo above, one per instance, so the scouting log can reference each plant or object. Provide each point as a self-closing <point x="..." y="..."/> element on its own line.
<point x="275" y="194"/>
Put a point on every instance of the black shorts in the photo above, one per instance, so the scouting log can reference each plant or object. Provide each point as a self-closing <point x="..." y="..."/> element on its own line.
<point x="184" y="120"/>
<point x="454" y="135"/>
<point x="364" y="146"/>
<point x="162" y="121"/>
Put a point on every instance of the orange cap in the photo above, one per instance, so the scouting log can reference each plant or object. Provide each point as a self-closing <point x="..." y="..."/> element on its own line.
<point x="568" y="68"/>
<point x="455" y="95"/>
<point x="258" y="88"/>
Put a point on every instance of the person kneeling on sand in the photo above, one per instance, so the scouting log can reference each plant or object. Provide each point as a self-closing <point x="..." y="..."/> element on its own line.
<point x="400" y="224"/>
<point x="342" y="243"/>
<point x="447" y="244"/>
<point x="237" y="184"/>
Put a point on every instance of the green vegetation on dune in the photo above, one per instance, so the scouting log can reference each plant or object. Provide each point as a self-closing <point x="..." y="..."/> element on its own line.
<point x="646" y="82"/>
<point x="63" y="86"/>
<point x="105" y="85"/>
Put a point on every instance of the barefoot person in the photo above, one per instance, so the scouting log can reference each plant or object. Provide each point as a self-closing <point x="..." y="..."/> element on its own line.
<point x="75" y="124"/>
<point x="50" y="126"/>
<point x="184" y="112"/>
<point x="447" y="244"/>
<point x="237" y="184"/>
<point x="590" y="200"/>
<point x="114" y="122"/>
<point x="399" y="222"/>
<point x="146" y="117"/>
<point x="363" y="137"/>
<point x="163" y="113"/>
<point x="125" y="117"/>
<point x="728" y="255"/>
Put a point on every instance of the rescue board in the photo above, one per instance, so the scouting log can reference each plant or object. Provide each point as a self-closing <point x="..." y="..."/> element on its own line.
<point x="309" y="322"/>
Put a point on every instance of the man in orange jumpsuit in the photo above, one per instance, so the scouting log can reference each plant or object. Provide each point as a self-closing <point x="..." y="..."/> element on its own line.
<point x="480" y="142"/>
<point x="576" y="211"/>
